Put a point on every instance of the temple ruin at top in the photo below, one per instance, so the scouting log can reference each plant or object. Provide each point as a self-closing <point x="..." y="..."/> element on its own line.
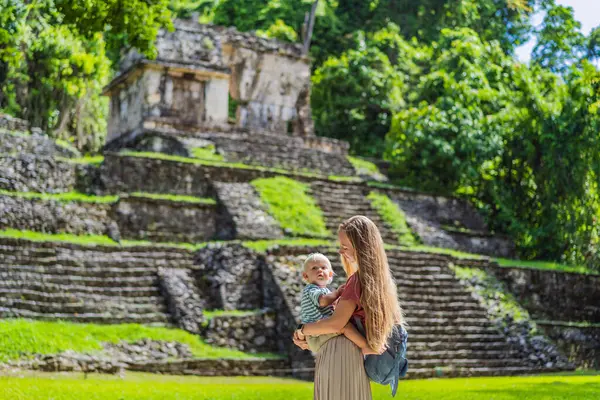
<point x="219" y="85"/>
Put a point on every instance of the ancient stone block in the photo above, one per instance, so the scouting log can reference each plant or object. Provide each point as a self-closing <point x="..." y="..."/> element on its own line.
<point x="140" y="217"/>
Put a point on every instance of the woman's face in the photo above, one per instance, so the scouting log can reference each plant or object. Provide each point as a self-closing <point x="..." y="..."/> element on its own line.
<point x="346" y="248"/>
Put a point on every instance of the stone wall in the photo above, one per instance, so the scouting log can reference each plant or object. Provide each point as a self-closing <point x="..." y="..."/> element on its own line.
<point x="184" y="302"/>
<point x="294" y="153"/>
<point x="553" y="295"/>
<point x="160" y="220"/>
<point x="135" y="174"/>
<point x="28" y="173"/>
<point x="450" y="223"/>
<point x="253" y="332"/>
<point x="9" y="123"/>
<point x="217" y="367"/>
<point x="581" y="344"/>
<point x="14" y="142"/>
<point x="53" y="216"/>
<point x="229" y="276"/>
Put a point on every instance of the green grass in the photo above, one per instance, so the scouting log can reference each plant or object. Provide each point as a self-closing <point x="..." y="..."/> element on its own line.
<point x="91" y="240"/>
<point x="393" y="215"/>
<point x="262" y="246"/>
<point x="361" y="165"/>
<point x="67" y="146"/>
<point x="572" y="324"/>
<point x="337" y="178"/>
<point x="174" y="197"/>
<point x="292" y="206"/>
<point x="206" y="153"/>
<point x="546" y="265"/>
<point x="21" y="337"/>
<point x="138" y="386"/>
<point x="441" y="250"/>
<point x="94" y="160"/>
<point x="80" y="197"/>
<point x="62" y="197"/>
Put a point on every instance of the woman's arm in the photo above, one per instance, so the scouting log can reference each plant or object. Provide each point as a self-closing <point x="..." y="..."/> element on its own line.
<point x="334" y="324"/>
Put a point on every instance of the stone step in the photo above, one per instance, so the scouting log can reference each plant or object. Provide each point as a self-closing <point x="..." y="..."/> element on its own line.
<point x="441" y="285"/>
<point x="404" y="276"/>
<point x="421" y="373"/>
<point x="454" y="354"/>
<point x="458" y="293"/>
<point x="66" y="297"/>
<point x="470" y="308"/>
<point x="81" y="307"/>
<point x="467" y="362"/>
<point x="153" y="318"/>
<point x="88" y="262"/>
<point x="445" y="345"/>
<point x="452" y="329"/>
<point x="148" y="280"/>
<point x="431" y="320"/>
<point x="454" y="339"/>
<point x="422" y="314"/>
<point x="114" y="290"/>
<point x="94" y="272"/>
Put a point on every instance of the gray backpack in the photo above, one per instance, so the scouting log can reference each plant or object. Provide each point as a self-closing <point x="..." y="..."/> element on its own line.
<point x="387" y="368"/>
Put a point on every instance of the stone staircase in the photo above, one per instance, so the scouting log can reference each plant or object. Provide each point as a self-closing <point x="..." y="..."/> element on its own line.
<point x="450" y="333"/>
<point x="340" y="201"/>
<point x="449" y="330"/>
<point x="84" y="283"/>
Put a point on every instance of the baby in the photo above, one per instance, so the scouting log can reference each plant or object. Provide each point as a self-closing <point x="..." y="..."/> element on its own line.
<point x="317" y="303"/>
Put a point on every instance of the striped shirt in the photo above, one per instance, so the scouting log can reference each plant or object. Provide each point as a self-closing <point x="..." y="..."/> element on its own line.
<point x="310" y="311"/>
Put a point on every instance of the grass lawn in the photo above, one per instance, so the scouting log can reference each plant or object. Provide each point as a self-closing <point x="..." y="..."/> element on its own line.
<point x="137" y="386"/>
<point x="22" y="337"/>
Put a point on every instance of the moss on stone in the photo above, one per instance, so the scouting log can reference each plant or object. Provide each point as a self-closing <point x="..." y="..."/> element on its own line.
<point x="291" y="204"/>
<point x="174" y="197"/>
<point x="393" y="216"/>
<point x="262" y="246"/>
<point x="62" y="197"/>
<point x="91" y="240"/>
<point x="206" y="153"/>
<point x="92" y="160"/>
<point x="500" y="303"/>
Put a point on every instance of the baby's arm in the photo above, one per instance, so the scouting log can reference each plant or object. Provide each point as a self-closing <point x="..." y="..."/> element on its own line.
<point x="326" y="299"/>
<point x="357" y="338"/>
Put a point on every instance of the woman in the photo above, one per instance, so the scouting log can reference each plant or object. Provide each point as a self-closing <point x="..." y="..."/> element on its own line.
<point x="369" y="294"/>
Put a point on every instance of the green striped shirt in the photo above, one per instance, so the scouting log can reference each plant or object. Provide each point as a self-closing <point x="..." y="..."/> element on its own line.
<point x="310" y="311"/>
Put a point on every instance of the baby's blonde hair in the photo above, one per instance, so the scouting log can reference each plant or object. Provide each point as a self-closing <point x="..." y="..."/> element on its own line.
<point x="312" y="257"/>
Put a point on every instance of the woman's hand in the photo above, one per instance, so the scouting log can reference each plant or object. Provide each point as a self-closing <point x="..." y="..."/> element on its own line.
<point x="300" y="340"/>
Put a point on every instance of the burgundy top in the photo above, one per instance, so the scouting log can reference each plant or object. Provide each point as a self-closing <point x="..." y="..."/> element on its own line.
<point x="352" y="292"/>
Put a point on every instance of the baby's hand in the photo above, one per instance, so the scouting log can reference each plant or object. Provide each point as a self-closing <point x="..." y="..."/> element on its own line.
<point x="340" y="290"/>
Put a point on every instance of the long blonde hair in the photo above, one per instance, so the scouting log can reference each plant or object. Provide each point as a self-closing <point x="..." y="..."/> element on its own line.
<point x="379" y="296"/>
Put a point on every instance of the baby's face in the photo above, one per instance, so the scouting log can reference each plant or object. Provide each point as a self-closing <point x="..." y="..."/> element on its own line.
<point x="318" y="272"/>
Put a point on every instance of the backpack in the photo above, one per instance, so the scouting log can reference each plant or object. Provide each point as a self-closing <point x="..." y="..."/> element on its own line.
<point x="387" y="368"/>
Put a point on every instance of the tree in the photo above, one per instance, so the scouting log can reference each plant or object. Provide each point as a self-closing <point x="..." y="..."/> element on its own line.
<point x="442" y="140"/>
<point x="593" y="45"/>
<point x="53" y="59"/>
<point x="355" y="95"/>
<point x="560" y="42"/>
